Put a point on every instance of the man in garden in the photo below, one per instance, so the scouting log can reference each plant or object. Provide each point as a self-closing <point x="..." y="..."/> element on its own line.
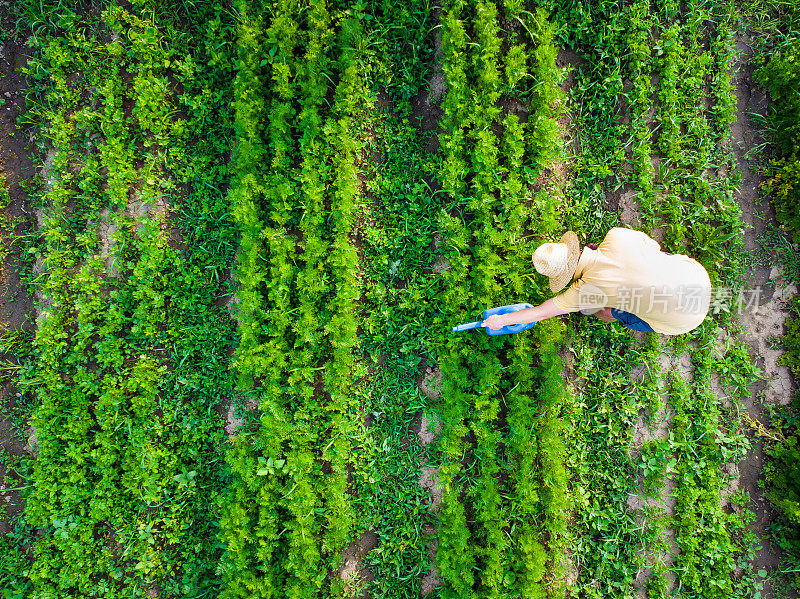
<point x="626" y="278"/>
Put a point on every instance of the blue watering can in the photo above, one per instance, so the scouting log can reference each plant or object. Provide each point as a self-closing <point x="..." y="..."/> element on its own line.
<point x="512" y="328"/>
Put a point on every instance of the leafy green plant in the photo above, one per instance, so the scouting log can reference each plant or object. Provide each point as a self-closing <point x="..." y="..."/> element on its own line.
<point x="482" y="219"/>
<point x="784" y="185"/>
<point x="782" y="486"/>
<point x="653" y="464"/>
<point x="294" y="197"/>
<point x="791" y="343"/>
<point x="781" y="76"/>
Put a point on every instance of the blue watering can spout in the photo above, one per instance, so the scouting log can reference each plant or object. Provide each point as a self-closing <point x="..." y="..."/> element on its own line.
<point x="512" y="328"/>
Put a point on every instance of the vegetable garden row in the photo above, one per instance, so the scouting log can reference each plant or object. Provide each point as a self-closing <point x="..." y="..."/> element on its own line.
<point x="269" y="153"/>
<point x="503" y="519"/>
<point x="130" y="350"/>
<point x="294" y="199"/>
<point x="698" y="215"/>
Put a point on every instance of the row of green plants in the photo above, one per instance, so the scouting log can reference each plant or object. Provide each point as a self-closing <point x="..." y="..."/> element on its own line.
<point x="607" y="541"/>
<point x="398" y="330"/>
<point x="780" y="77"/>
<point x="130" y="356"/>
<point x="640" y="99"/>
<point x="712" y="431"/>
<point x="707" y="435"/>
<point x="499" y="415"/>
<point x="299" y="84"/>
<point x="713" y="542"/>
<point x="690" y="141"/>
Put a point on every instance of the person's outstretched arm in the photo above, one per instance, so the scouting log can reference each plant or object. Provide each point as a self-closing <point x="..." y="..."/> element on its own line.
<point x="541" y="312"/>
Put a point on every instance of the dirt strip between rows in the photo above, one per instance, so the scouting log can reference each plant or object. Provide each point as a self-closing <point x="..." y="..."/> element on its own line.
<point x="16" y="305"/>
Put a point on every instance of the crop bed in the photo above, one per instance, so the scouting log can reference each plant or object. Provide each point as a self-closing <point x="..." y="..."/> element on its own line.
<point x="251" y="229"/>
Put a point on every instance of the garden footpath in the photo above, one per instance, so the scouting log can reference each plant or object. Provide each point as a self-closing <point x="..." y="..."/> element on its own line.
<point x="16" y="221"/>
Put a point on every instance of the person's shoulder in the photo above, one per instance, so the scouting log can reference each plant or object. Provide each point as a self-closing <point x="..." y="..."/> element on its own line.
<point x="627" y="236"/>
<point x="623" y="232"/>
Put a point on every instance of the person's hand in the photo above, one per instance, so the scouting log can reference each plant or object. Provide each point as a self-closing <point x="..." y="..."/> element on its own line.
<point x="495" y="321"/>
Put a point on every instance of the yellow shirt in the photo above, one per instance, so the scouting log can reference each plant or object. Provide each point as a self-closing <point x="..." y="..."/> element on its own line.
<point x="628" y="271"/>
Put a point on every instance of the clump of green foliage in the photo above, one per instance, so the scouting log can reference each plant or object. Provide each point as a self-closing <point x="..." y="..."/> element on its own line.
<point x="784" y="474"/>
<point x="143" y="356"/>
<point x="791" y="342"/>
<point x="783" y="477"/>
<point x="783" y="469"/>
<point x="13" y="568"/>
<point x="781" y="78"/>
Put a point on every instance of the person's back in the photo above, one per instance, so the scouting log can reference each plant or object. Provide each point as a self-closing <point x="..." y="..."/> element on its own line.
<point x="627" y="271"/>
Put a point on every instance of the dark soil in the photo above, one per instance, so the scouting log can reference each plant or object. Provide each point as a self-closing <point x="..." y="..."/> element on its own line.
<point x="16" y="304"/>
<point x="352" y="572"/>
<point x="757" y="212"/>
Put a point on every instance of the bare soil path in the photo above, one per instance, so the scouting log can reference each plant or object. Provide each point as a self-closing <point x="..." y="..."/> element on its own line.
<point x="16" y="304"/>
<point x="762" y="327"/>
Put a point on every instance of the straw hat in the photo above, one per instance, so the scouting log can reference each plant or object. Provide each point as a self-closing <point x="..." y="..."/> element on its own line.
<point x="558" y="260"/>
